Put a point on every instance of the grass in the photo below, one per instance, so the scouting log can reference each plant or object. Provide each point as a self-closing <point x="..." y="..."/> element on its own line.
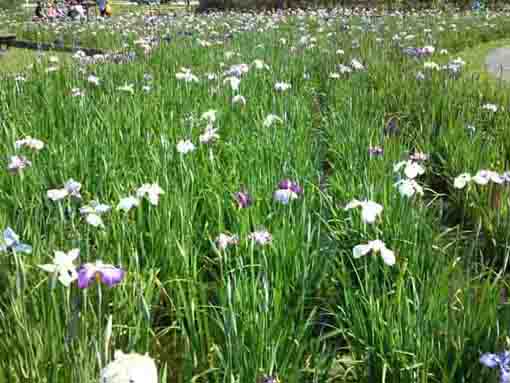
<point x="301" y="307"/>
<point x="19" y="60"/>
<point x="15" y="60"/>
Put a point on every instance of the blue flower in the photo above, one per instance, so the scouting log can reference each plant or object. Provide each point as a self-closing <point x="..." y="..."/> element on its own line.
<point x="501" y="361"/>
<point x="10" y="241"/>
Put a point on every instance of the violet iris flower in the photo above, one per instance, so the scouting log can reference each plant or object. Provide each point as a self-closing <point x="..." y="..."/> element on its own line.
<point x="291" y="185"/>
<point x="102" y="272"/>
<point x="287" y="190"/>
<point x="243" y="199"/>
<point x="501" y="361"/>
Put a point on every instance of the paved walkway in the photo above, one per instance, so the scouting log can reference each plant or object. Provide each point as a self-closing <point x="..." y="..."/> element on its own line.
<point x="498" y="62"/>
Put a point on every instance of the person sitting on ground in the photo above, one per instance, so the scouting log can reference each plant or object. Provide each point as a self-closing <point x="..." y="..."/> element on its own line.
<point x="76" y="10"/>
<point x="108" y="9"/>
<point x="80" y="9"/>
<point x="104" y="8"/>
<point x="51" y="12"/>
<point x="39" y="11"/>
<point x="39" y="14"/>
<point x="60" y="12"/>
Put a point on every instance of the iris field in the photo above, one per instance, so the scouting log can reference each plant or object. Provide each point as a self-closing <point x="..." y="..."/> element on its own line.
<point x="308" y="196"/>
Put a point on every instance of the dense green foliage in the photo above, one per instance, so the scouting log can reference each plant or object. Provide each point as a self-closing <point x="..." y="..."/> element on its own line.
<point x="302" y="307"/>
<point x="7" y="4"/>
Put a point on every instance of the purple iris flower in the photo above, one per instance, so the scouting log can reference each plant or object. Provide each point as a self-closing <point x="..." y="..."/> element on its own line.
<point x="243" y="199"/>
<point x="287" y="184"/>
<point x="500" y="360"/>
<point x="287" y="191"/>
<point x="102" y="272"/>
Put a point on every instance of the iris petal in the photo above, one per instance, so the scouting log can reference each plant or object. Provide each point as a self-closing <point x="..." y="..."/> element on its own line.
<point x="85" y="275"/>
<point x="490" y="360"/>
<point x="388" y="256"/>
<point x="57" y="194"/>
<point x="23" y="248"/>
<point x="111" y="275"/>
<point x="10" y="237"/>
<point x="360" y="250"/>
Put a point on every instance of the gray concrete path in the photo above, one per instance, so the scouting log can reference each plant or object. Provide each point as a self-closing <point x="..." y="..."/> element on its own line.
<point x="498" y="62"/>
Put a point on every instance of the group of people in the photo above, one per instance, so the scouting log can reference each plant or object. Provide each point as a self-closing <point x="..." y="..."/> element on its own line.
<point x="47" y="11"/>
<point x="74" y="9"/>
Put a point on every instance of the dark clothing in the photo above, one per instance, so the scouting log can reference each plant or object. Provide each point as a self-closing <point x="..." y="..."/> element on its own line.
<point x="38" y="11"/>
